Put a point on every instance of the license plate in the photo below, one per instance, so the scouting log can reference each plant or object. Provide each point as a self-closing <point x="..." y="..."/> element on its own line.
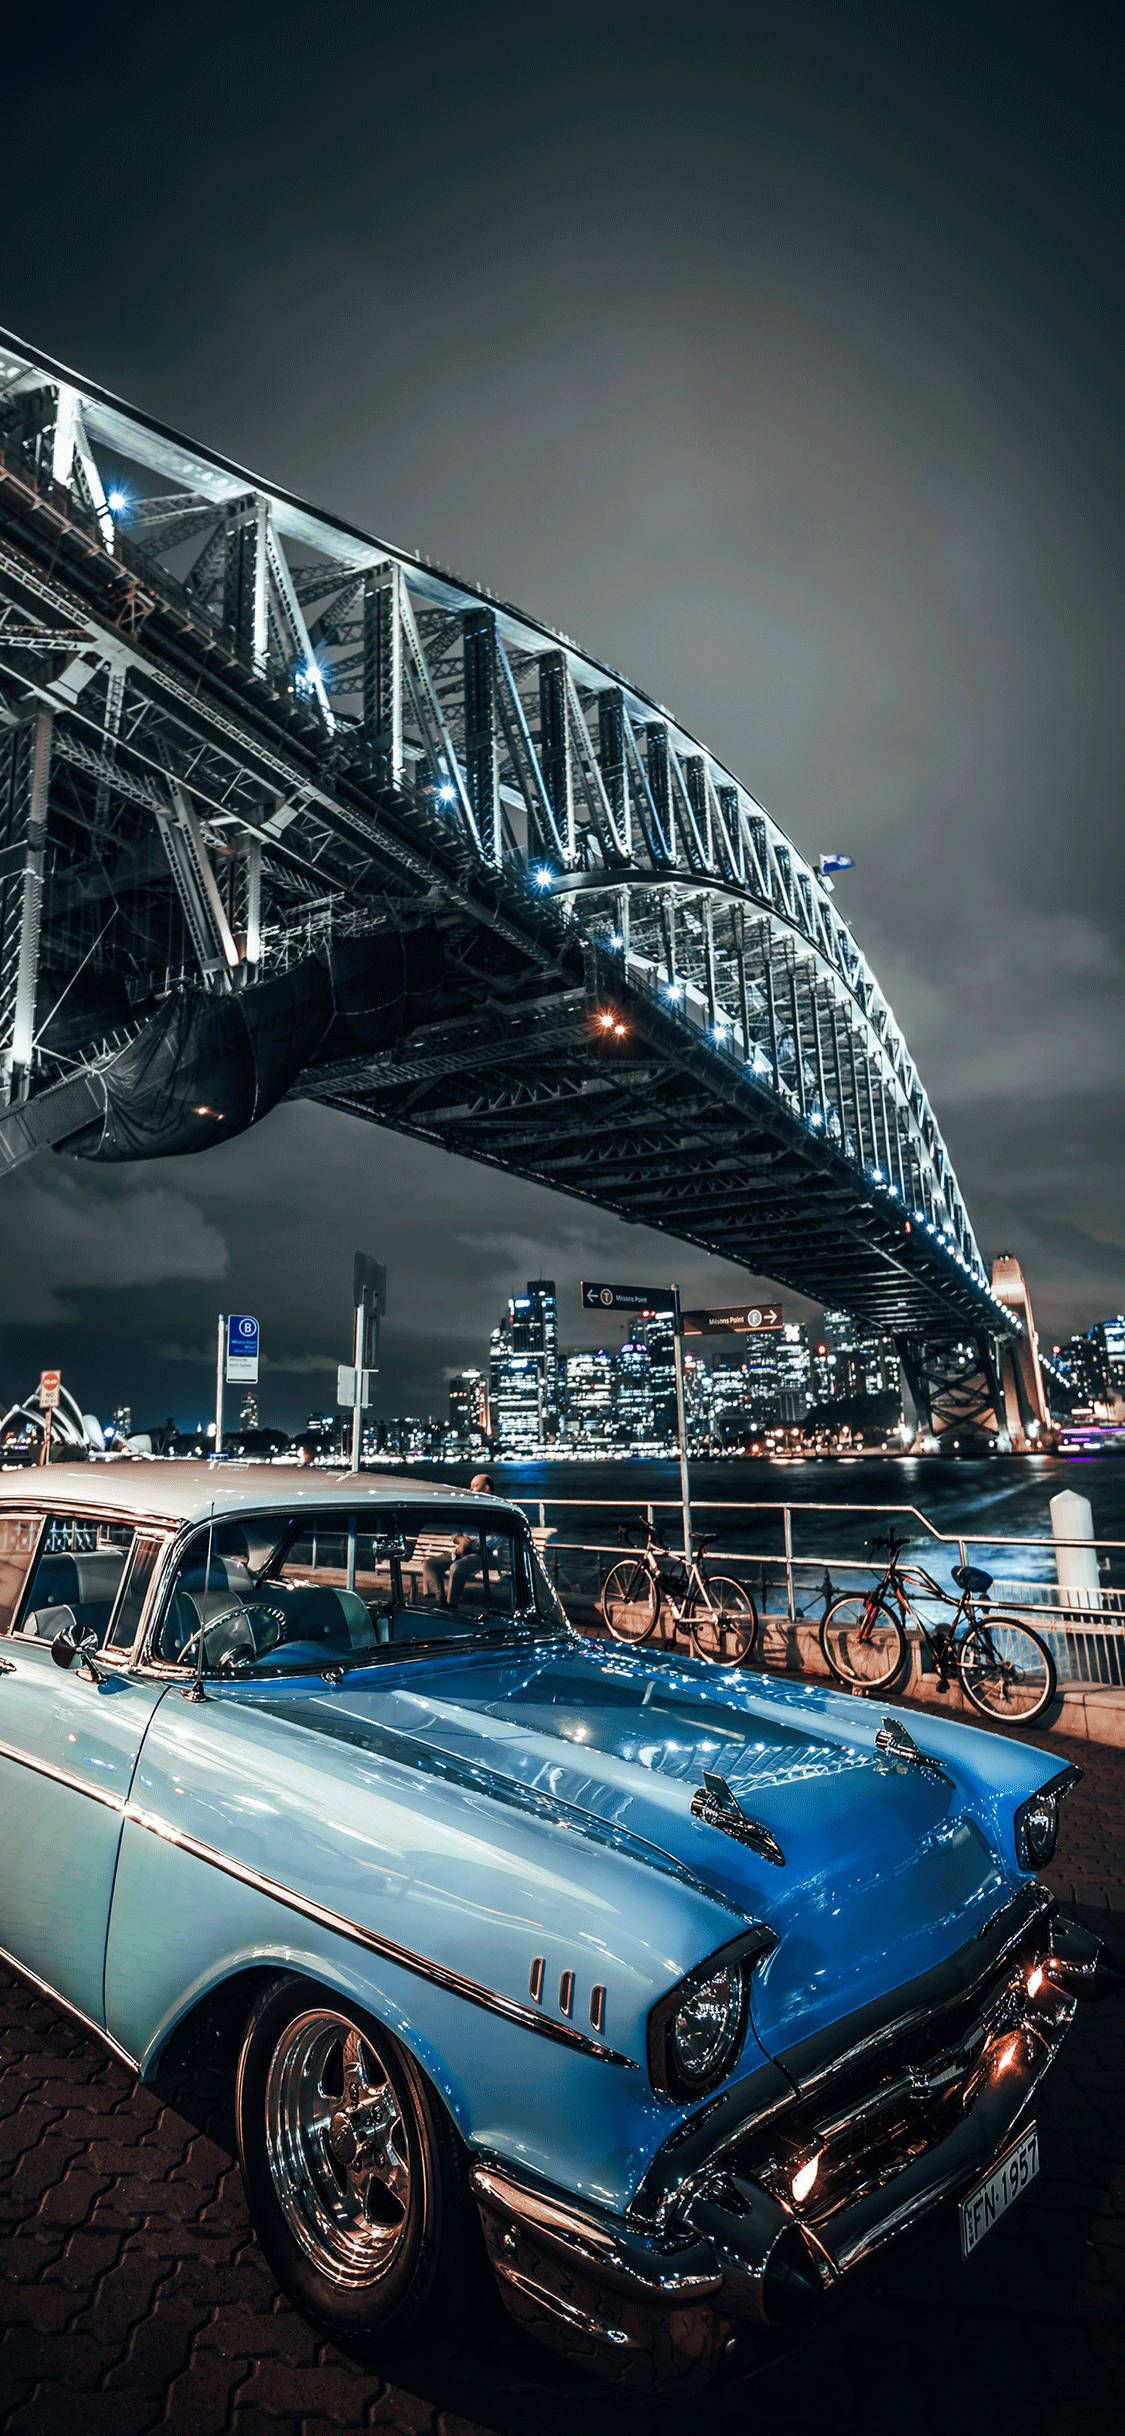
<point x="1000" y="2186"/>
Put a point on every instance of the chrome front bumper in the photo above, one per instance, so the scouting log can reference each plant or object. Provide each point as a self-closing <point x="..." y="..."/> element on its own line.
<point x="656" y="2305"/>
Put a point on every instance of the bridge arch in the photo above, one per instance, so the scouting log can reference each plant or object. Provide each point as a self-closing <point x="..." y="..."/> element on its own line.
<point x="267" y="730"/>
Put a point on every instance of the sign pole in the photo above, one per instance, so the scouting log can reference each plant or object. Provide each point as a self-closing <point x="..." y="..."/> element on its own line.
<point x="50" y="1385"/>
<point x="358" y="1350"/>
<point x="219" y="1383"/>
<point x="681" y="1421"/>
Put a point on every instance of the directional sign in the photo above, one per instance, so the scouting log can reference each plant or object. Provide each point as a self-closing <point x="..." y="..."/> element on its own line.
<point x="733" y="1319"/>
<point x="50" y="1382"/>
<point x="242" y="1348"/>
<point x="627" y="1298"/>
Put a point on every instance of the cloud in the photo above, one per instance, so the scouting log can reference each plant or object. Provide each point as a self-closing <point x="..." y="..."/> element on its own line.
<point x="69" y="1231"/>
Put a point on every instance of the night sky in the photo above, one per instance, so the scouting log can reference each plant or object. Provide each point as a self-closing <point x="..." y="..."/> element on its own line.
<point x="776" y="353"/>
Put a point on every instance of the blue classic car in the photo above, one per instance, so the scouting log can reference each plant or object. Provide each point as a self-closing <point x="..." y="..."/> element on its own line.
<point x="675" y="1992"/>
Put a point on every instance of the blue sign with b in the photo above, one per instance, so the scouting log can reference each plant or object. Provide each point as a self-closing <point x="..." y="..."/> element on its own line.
<point x="242" y="1346"/>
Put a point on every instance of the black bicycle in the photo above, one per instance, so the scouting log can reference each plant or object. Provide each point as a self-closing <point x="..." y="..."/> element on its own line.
<point x="1004" y="1668"/>
<point x="719" y="1613"/>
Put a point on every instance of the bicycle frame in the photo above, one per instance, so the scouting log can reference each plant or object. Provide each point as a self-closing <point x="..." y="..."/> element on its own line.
<point x="679" y="1587"/>
<point x="898" y="1580"/>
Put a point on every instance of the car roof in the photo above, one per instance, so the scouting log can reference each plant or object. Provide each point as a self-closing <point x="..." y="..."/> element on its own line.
<point x="179" y="1492"/>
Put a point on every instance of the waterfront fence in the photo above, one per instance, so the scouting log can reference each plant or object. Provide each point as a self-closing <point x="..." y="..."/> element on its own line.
<point x="766" y="1546"/>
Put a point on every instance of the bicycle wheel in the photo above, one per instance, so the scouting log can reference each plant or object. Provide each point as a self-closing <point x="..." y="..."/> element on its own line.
<point x="862" y="1642"/>
<point x="629" y="1601"/>
<point x="725" y="1627"/>
<point x="1007" y="1671"/>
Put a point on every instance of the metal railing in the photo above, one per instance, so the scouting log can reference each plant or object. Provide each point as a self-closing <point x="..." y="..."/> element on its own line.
<point x="764" y="1545"/>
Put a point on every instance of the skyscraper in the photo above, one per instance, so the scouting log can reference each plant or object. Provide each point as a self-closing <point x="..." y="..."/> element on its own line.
<point x="655" y="1331"/>
<point x="524" y="1369"/>
<point x="468" y="1407"/>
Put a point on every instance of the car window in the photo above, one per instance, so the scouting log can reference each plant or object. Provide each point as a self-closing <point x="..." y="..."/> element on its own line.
<point x="78" y="1572"/>
<point x="127" y="1614"/>
<point x="339" y="1553"/>
<point x="18" y="1535"/>
<point x="339" y="1587"/>
<point x="461" y="1565"/>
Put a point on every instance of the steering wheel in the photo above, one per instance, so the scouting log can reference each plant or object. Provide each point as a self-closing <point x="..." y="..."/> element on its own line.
<point x="232" y="1659"/>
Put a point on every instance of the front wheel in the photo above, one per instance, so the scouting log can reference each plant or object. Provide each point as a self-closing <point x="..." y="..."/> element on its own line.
<point x="355" y="2178"/>
<point x="724" y="1622"/>
<point x="862" y="1643"/>
<point x="1007" y="1671"/>
<point x="629" y="1601"/>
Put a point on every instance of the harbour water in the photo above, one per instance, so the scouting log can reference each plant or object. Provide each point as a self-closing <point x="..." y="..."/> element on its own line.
<point x="987" y="1501"/>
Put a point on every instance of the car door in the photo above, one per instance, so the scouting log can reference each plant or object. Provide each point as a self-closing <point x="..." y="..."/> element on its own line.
<point x="68" y="1744"/>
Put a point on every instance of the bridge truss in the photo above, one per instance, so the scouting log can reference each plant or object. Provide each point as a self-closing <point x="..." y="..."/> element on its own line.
<point x="233" y="729"/>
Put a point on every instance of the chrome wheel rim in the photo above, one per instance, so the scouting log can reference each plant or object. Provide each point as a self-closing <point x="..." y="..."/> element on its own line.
<point x="341" y="2159"/>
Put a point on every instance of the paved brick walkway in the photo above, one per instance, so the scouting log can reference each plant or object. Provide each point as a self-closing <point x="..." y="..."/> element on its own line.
<point x="134" y="2299"/>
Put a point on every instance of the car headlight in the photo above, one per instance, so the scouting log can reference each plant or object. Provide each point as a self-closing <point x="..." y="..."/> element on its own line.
<point x="696" y="2032"/>
<point x="1037" y="1820"/>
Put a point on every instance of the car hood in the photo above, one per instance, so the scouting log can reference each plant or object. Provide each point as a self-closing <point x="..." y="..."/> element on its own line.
<point x="887" y="1865"/>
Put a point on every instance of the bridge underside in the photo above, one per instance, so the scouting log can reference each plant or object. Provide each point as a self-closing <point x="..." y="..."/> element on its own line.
<point x="636" y="1125"/>
<point x="284" y="812"/>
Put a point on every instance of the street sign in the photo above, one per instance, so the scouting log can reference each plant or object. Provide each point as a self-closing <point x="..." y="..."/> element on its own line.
<point x="733" y="1319"/>
<point x="242" y="1348"/>
<point x="50" y="1382"/>
<point x="345" y="1386"/>
<point x="627" y="1298"/>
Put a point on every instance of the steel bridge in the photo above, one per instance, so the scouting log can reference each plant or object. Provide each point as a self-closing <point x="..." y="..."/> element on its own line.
<point x="243" y="745"/>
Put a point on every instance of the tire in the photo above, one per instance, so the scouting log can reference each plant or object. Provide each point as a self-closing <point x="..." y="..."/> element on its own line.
<point x="1007" y="1672"/>
<point x="360" y="2203"/>
<point x="629" y="1600"/>
<point x="862" y="1642"/>
<point x="726" y="1629"/>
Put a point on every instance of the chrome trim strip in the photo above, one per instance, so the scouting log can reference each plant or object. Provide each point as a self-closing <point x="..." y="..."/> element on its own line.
<point x="63" y="1776"/>
<point x="454" y="1982"/>
<point x="45" y="1989"/>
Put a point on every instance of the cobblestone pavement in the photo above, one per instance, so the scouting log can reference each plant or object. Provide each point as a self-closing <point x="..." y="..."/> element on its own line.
<point x="134" y="2298"/>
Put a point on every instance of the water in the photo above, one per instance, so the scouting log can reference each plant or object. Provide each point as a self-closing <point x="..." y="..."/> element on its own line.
<point x="985" y="1500"/>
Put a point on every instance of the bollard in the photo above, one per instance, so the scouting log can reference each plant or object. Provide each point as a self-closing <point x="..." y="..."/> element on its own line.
<point x="1076" y="1569"/>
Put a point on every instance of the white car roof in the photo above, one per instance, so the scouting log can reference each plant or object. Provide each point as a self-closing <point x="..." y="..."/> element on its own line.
<point x="177" y="1492"/>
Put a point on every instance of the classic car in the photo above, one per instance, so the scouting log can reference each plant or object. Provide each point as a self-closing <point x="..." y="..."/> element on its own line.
<point x="674" y="1993"/>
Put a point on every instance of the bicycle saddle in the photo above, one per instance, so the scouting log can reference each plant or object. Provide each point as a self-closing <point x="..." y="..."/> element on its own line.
<point x="971" y="1578"/>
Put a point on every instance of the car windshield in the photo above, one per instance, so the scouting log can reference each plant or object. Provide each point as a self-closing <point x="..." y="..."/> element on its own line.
<point x="332" y="1588"/>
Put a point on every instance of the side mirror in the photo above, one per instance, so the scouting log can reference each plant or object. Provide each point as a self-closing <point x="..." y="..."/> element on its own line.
<point x="74" y="1641"/>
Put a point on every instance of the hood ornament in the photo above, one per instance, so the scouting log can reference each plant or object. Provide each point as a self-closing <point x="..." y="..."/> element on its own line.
<point x="895" y="1743"/>
<point x="716" y="1806"/>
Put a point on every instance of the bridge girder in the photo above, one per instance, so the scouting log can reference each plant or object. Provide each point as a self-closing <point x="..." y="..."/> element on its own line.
<point x="269" y="730"/>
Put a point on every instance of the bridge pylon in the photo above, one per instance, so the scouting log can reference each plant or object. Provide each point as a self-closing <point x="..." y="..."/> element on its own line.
<point x="983" y="1388"/>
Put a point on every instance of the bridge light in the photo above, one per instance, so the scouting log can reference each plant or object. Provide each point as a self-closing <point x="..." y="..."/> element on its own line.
<point x="117" y="502"/>
<point x="606" y="1020"/>
<point x="673" y="988"/>
<point x="615" y="939"/>
<point x="620" y="1030"/>
<point x="542" y="875"/>
<point x="816" y="1117"/>
<point x="447" y="792"/>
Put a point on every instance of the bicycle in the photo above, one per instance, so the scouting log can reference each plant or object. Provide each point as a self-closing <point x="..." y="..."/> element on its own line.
<point x="720" y="1614"/>
<point x="1004" y="1668"/>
